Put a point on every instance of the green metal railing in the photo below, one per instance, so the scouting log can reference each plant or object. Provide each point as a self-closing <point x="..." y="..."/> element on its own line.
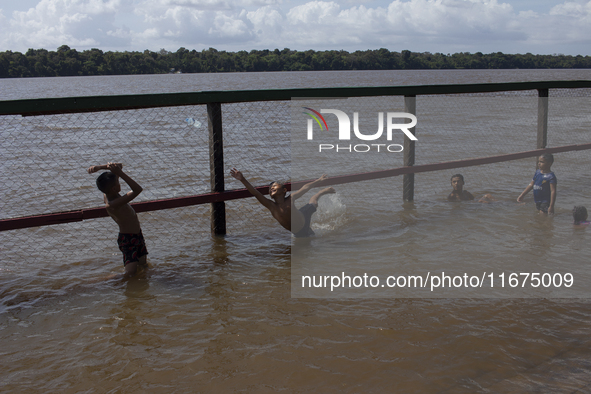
<point x="214" y="101"/>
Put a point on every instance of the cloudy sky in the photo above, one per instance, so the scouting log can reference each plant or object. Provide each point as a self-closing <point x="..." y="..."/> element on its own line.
<point x="447" y="26"/>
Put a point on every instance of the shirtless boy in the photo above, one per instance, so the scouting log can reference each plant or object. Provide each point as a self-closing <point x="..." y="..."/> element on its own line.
<point x="458" y="193"/>
<point x="283" y="208"/>
<point x="130" y="240"/>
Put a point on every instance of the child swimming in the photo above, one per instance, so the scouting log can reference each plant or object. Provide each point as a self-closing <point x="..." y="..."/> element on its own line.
<point x="580" y="216"/>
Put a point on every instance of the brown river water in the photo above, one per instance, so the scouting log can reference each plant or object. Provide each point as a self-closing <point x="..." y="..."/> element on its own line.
<point x="225" y="314"/>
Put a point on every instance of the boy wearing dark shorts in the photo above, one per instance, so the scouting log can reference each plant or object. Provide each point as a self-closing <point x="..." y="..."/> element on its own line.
<point x="307" y="211"/>
<point x="130" y="239"/>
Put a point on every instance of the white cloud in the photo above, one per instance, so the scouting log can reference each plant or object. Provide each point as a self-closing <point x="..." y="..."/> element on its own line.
<point x="458" y="20"/>
<point x="403" y="24"/>
<point x="228" y="26"/>
<point x="220" y="5"/>
<point x="199" y="4"/>
<point x="314" y="12"/>
<point x="418" y="25"/>
<point x="189" y="26"/>
<point x="568" y="23"/>
<point x="267" y="24"/>
<point x="265" y="16"/>
<point x="53" y="23"/>
<point x="120" y="33"/>
<point x="3" y="21"/>
<point x="573" y="10"/>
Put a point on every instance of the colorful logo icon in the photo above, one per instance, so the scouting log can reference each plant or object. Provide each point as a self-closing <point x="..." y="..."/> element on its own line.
<point x="315" y="116"/>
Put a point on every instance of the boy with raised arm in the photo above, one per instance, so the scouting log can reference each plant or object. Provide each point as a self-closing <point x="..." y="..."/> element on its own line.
<point x="543" y="185"/>
<point x="283" y="207"/>
<point x="130" y="240"/>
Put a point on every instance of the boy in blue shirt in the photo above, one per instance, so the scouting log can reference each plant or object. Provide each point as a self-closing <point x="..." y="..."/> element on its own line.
<point x="543" y="185"/>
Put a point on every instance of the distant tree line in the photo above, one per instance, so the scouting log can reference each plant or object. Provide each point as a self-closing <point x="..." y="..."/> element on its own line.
<point x="69" y="62"/>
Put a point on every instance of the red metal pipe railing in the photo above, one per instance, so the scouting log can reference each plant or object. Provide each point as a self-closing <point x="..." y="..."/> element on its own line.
<point x="156" y="205"/>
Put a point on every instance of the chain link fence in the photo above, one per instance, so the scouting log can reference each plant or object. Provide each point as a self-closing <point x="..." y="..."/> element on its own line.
<point x="166" y="150"/>
<point x="45" y="160"/>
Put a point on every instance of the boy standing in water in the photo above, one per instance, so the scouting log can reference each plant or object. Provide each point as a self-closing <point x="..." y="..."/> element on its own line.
<point x="543" y="185"/>
<point x="282" y="207"/>
<point x="130" y="240"/>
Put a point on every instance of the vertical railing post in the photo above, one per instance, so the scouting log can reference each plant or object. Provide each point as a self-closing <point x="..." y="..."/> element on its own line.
<point x="216" y="166"/>
<point x="542" y="118"/>
<point x="408" y="180"/>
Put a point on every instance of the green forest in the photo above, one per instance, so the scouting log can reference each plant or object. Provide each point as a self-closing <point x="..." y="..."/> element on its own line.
<point x="70" y="62"/>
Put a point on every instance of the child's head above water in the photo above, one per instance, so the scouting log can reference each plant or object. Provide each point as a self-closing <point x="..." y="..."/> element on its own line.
<point x="457" y="182"/>
<point x="579" y="214"/>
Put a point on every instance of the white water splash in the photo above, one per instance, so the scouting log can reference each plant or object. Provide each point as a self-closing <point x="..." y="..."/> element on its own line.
<point x="331" y="214"/>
